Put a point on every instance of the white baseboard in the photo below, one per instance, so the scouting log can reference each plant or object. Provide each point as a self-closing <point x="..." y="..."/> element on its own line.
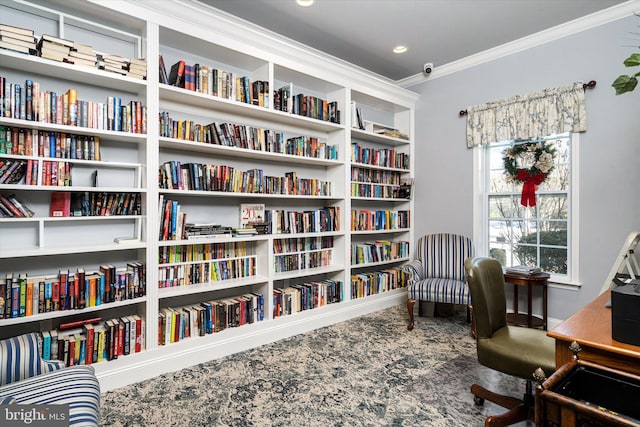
<point x="174" y="357"/>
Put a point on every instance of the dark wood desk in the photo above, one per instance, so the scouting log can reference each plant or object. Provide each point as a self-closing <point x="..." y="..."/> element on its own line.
<point x="528" y="319"/>
<point x="591" y="328"/>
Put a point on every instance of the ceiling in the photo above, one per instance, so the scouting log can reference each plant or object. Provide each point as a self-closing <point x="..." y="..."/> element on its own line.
<point x="364" y="32"/>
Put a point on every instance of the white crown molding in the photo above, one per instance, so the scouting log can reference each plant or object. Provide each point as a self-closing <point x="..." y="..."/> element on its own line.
<point x="199" y="20"/>
<point x="587" y="22"/>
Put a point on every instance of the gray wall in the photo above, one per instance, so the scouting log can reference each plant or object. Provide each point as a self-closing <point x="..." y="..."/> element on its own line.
<point x="609" y="206"/>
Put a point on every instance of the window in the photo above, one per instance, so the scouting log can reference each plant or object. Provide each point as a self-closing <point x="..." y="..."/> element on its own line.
<point x="543" y="235"/>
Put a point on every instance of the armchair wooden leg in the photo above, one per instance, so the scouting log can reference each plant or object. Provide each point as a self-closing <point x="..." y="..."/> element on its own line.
<point x="410" y="304"/>
<point x="473" y="320"/>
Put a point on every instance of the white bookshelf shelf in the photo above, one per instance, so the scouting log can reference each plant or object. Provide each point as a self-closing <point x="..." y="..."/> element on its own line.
<point x="67" y="313"/>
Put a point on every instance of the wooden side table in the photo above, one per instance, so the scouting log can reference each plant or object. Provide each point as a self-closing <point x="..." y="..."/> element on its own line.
<point x="528" y="319"/>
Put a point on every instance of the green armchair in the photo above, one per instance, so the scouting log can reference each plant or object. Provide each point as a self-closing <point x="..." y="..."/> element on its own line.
<point x="513" y="350"/>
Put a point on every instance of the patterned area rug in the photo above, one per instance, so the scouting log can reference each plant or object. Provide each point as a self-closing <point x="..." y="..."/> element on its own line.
<point x="368" y="371"/>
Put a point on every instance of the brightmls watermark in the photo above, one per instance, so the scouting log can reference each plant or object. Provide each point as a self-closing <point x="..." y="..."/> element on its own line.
<point x="34" y="415"/>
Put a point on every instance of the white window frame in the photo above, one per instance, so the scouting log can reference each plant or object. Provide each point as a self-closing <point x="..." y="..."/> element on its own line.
<point x="481" y="220"/>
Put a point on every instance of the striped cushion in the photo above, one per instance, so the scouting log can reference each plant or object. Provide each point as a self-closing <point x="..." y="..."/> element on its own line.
<point x="76" y="386"/>
<point x="7" y="400"/>
<point x="443" y="279"/>
<point x="20" y="359"/>
<point x="440" y="290"/>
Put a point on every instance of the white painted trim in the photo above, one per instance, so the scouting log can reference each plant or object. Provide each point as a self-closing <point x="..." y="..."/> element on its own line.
<point x="479" y="211"/>
<point x="196" y="18"/>
<point x="174" y="357"/>
<point x="587" y="22"/>
<point x="575" y="211"/>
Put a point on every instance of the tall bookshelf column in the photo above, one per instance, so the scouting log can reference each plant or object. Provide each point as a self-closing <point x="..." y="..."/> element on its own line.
<point x="151" y="162"/>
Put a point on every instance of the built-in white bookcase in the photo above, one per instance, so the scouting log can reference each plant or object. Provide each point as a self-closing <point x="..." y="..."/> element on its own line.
<point x="379" y="163"/>
<point x="41" y="246"/>
<point x="283" y="261"/>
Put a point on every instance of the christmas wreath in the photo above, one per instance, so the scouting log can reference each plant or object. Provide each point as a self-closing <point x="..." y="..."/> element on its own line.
<point x="529" y="163"/>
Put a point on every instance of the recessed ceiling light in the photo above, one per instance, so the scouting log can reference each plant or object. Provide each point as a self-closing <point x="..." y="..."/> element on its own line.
<point x="305" y="3"/>
<point x="399" y="49"/>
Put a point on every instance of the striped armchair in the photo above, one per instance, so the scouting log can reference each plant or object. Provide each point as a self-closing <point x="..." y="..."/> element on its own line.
<point x="25" y="378"/>
<point x="437" y="272"/>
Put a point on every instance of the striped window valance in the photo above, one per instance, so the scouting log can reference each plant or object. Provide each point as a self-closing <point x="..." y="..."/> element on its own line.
<point x="546" y="112"/>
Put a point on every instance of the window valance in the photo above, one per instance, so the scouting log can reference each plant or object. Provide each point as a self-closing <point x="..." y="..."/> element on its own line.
<point x="541" y="113"/>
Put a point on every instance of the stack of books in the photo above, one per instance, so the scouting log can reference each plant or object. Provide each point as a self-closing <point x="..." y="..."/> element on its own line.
<point x="54" y="48"/>
<point x="245" y="231"/>
<point x="388" y="131"/>
<point x="84" y="55"/>
<point x="524" y="270"/>
<point x="203" y="231"/>
<point x="137" y="68"/>
<point x="261" y="227"/>
<point x="17" y="39"/>
<point x="113" y="63"/>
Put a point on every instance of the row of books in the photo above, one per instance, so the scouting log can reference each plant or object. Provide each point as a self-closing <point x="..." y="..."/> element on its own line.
<point x="377" y="176"/>
<point x="29" y="102"/>
<point x="378" y="191"/>
<point x="52" y="173"/>
<point x="303" y="260"/>
<point x="174" y="175"/>
<point x="66" y="203"/>
<point x="94" y="340"/>
<point x="212" y="81"/>
<point x="283" y="246"/>
<point x="23" y="40"/>
<point x="386" y="157"/>
<point x="306" y="296"/>
<point x="11" y="207"/>
<point x="305" y="105"/>
<point x="173" y="224"/>
<point x="247" y="137"/>
<point x="25" y="296"/>
<point x="378" y="251"/>
<point x="308" y="221"/>
<point x="172" y="220"/>
<point x="365" y="284"/>
<point x="179" y="323"/>
<point x="204" y="252"/>
<point x="365" y="219"/>
<point x="170" y="276"/>
<point x="60" y="145"/>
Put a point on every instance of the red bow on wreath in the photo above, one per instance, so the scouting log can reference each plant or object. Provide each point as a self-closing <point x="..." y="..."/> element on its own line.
<point x="530" y="186"/>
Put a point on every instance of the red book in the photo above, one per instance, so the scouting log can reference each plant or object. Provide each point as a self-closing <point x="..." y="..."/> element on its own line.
<point x="121" y="338"/>
<point x="89" y="333"/>
<point x="6" y="203"/>
<point x="138" y="332"/>
<point x="27" y="179"/>
<point x="79" y="323"/>
<point x="55" y="295"/>
<point x="60" y="205"/>
<point x="176" y="323"/>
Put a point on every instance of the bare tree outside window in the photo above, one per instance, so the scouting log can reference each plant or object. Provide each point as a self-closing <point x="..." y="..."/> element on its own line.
<point x="533" y="236"/>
